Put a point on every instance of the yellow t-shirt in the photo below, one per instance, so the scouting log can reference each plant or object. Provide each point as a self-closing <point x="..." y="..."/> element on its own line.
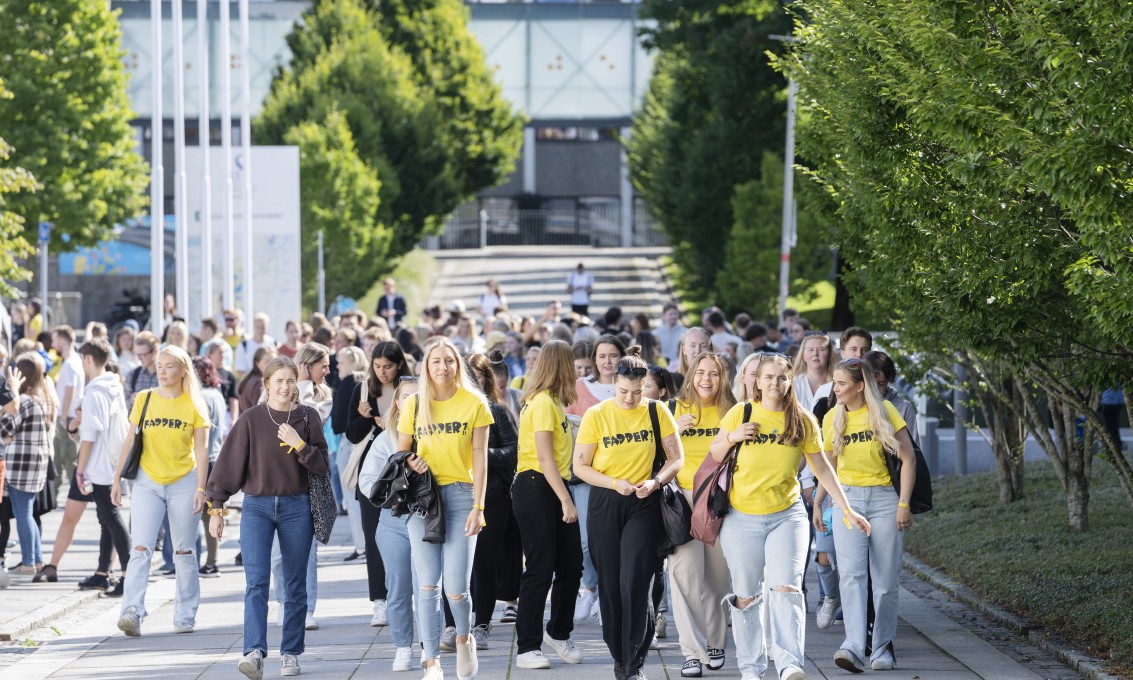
<point x="167" y="435"/>
<point x="696" y="440"/>
<point x="446" y="445"/>
<point x="766" y="477"/>
<point x="519" y="383"/>
<point x="542" y="413"/>
<point x="861" y="462"/>
<point x="624" y="438"/>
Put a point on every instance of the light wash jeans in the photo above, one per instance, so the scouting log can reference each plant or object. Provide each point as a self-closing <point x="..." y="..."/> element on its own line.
<point x="277" y="576"/>
<point x="349" y="499"/>
<point x="828" y="575"/>
<point x="775" y="544"/>
<point x="268" y="521"/>
<point x="880" y="553"/>
<point x="23" y="509"/>
<point x="453" y="560"/>
<point x="393" y="544"/>
<point x="581" y="493"/>
<point x="149" y="504"/>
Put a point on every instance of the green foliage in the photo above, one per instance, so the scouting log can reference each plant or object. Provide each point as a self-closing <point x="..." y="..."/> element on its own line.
<point x="749" y="280"/>
<point x="1022" y="557"/>
<point x="340" y="195"/>
<point x="713" y="107"/>
<point x="12" y="180"/>
<point x="69" y="118"/>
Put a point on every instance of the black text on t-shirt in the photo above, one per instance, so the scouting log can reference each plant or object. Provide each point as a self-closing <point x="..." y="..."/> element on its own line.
<point x="455" y="427"/>
<point x="627" y="438"/>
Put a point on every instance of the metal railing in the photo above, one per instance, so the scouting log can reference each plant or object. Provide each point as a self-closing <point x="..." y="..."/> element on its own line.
<point x="583" y="224"/>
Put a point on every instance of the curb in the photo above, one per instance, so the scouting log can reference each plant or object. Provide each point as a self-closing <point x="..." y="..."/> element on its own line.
<point x="1089" y="666"/>
<point x="45" y="614"/>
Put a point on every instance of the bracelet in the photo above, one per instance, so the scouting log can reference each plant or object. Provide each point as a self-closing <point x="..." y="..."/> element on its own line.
<point x="659" y="482"/>
<point x="219" y="512"/>
<point x="902" y="504"/>
<point x="478" y="507"/>
<point x="613" y="484"/>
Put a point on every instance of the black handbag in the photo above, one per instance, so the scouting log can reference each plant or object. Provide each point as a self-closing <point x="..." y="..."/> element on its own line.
<point x="921" y="498"/>
<point x="324" y="508"/>
<point x="134" y="460"/>
<point x="676" y="515"/>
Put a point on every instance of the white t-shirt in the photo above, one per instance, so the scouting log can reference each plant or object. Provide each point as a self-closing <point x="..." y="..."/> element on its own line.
<point x="71" y="375"/>
<point x="246" y="351"/>
<point x="720" y="340"/>
<point x="581" y="285"/>
<point x="102" y="399"/>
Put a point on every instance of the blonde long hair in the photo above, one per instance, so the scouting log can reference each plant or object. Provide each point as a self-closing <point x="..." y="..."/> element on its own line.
<point x="739" y="389"/>
<point x="724" y="397"/>
<point x="831" y="357"/>
<point x="426" y="389"/>
<point x="554" y="372"/>
<point x="875" y="407"/>
<point x="279" y="363"/>
<point x="190" y="385"/>
<point x="682" y="364"/>
<point x="394" y="411"/>
<point x="797" y="421"/>
<point x="308" y="355"/>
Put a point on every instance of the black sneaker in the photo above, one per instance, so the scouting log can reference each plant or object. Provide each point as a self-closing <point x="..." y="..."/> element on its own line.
<point x="116" y="591"/>
<point x="209" y="571"/>
<point x="95" y="582"/>
<point x="168" y="571"/>
<point x="354" y="556"/>
<point x="239" y="559"/>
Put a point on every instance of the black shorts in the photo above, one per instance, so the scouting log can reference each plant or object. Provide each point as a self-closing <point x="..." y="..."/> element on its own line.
<point x="581" y="310"/>
<point x="73" y="493"/>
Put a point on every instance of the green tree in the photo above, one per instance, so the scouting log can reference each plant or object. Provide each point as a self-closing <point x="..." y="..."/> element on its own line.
<point x="69" y="120"/>
<point x="978" y="156"/>
<point x="340" y="196"/>
<point x="13" y="180"/>
<point x="713" y="107"/>
<point x="749" y="279"/>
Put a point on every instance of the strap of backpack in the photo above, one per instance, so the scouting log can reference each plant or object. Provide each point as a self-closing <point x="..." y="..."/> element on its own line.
<point x="659" y="453"/>
<point x="673" y="406"/>
<point x="416" y="407"/>
<point x="145" y="407"/>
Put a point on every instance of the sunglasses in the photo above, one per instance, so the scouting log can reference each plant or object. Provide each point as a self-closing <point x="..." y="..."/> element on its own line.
<point x="852" y="361"/>
<point x="811" y="334"/>
<point x="632" y="371"/>
<point x="774" y="354"/>
<point x="407" y="378"/>
<point x="229" y="318"/>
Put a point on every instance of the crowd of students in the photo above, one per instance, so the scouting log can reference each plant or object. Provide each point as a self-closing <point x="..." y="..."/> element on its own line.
<point x="545" y="445"/>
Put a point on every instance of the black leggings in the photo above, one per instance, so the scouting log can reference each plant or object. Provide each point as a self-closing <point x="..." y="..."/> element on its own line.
<point x="490" y="565"/>
<point x="375" y="568"/>
<point x="113" y="527"/>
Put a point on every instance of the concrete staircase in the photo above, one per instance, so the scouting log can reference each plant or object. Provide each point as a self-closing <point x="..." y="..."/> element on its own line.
<point x="532" y="276"/>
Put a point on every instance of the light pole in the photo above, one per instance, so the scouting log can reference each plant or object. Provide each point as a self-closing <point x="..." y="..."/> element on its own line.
<point x="788" y="232"/>
<point x="157" y="184"/>
<point x="204" y="133"/>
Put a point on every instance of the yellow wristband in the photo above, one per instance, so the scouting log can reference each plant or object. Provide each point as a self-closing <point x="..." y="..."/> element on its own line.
<point x="614" y="484"/>
<point x="479" y="507"/>
<point x="200" y="489"/>
<point x="902" y="505"/>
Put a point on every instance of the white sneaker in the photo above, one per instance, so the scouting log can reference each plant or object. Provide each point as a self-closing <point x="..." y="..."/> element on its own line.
<point x="480" y="634"/>
<point x="448" y="639"/>
<point x="845" y="659"/>
<point x="183" y="628"/>
<point x="311" y="623"/>
<point x="584" y="604"/>
<point x="381" y="616"/>
<point x="467" y="665"/>
<point x="596" y="613"/>
<point x="289" y="665"/>
<point x="661" y="626"/>
<point x="433" y="672"/>
<point x="566" y="649"/>
<point x="252" y="665"/>
<point x="403" y="659"/>
<point x="130" y="623"/>
<point x="827" y="612"/>
<point x="533" y="660"/>
<point x="792" y="673"/>
<point x="5" y="579"/>
<point x="883" y="662"/>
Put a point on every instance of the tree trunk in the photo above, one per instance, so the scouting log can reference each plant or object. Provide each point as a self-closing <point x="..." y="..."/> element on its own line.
<point x="842" y="317"/>
<point x="1078" y="499"/>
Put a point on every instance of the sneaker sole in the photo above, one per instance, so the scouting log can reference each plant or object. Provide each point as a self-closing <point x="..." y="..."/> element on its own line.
<point x="250" y="671"/>
<point x="847" y="665"/>
<point x="127" y="626"/>
<point x="537" y="666"/>
<point x="288" y="673"/>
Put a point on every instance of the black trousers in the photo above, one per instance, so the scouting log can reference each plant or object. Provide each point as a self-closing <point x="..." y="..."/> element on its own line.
<point x="375" y="569"/>
<point x="625" y="532"/>
<point x="553" y="550"/>
<point x="113" y="526"/>
<point x="1111" y="416"/>
<point x="492" y="562"/>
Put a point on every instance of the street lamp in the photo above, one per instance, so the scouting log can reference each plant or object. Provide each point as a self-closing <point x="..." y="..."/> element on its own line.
<point x="788" y="235"/>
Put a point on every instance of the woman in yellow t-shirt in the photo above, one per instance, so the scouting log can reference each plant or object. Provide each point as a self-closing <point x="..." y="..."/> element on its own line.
<point x="766" y="531"/>
<point x="545" y="511"/>
<point x="858" y="431"/>
<point x="171" y="479"/>
<point x="615" y="453"/>
<point x="698" y="573"/>
<point x="449" y="418"/>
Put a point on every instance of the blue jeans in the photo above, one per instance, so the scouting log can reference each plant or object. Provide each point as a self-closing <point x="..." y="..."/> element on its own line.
<point x="581" y="493"/>
<point x="263" y="518"/>
<point x="312" y="572"/>
<point x="23" y="507"/>
<point x="880" y="553"/>
<point x="393" y="544"/>
<point x="774" y="545"/>
<point x="149" y="503"/>
<point x="452" y="559"/>
<point x="167" y="545"/>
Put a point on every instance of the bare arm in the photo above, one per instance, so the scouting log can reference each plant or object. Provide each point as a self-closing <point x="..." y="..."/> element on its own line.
<point x="475" y="521"/>
<point x="201" y="453"/>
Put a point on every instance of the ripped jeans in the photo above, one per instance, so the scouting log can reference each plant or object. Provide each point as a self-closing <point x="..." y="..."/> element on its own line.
<point x="149" y="502"/>
<point x="778" y="543"/>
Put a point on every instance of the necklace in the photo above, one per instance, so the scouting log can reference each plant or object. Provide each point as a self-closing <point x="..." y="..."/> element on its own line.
<point x="289" y="407"/>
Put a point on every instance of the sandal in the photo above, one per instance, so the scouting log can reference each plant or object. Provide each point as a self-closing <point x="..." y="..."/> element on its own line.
<point x="48" y="573"/>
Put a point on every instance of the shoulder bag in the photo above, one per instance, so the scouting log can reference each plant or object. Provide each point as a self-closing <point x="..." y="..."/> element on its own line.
<point x="920" y="500"/>
<point x="712" y="485"/>
<point x="676" y="515"/>
<point x="134" y="460"/>
<point x="324" y="508"/>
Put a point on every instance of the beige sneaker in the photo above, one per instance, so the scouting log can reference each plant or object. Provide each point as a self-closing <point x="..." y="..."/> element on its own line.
<point x="467" y="666"/>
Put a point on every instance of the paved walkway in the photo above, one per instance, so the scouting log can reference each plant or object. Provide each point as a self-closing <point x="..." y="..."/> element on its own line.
<point x="937" y="639"/>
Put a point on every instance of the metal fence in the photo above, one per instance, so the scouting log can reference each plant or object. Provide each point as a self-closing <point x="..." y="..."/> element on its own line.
<point x="581" y="224"/>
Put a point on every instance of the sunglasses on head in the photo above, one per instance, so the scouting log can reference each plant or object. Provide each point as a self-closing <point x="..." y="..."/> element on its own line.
<point x="811" y="334"/>
<point x="632" y="371"/>
<point x="852" y="361"/>
<point x="407" y="378"/>
<point x="774" y="354"/>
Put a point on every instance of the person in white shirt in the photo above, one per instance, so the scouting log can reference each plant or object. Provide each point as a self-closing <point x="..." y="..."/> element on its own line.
<point x="69" y="384"/>
<point x="580" y="285"/>
<point x="246" y="348"/>
<point x="669" y="333"/>
<point x="492" y="299"/>
<point x="721" y="338"/>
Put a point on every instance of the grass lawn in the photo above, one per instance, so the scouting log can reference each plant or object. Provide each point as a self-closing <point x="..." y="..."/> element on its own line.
<point x="1022" y="556"/>
<point x="415" y="275"/>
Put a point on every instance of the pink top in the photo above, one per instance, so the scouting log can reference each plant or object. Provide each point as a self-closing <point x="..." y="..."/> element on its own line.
<point x="586" y="397"/>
